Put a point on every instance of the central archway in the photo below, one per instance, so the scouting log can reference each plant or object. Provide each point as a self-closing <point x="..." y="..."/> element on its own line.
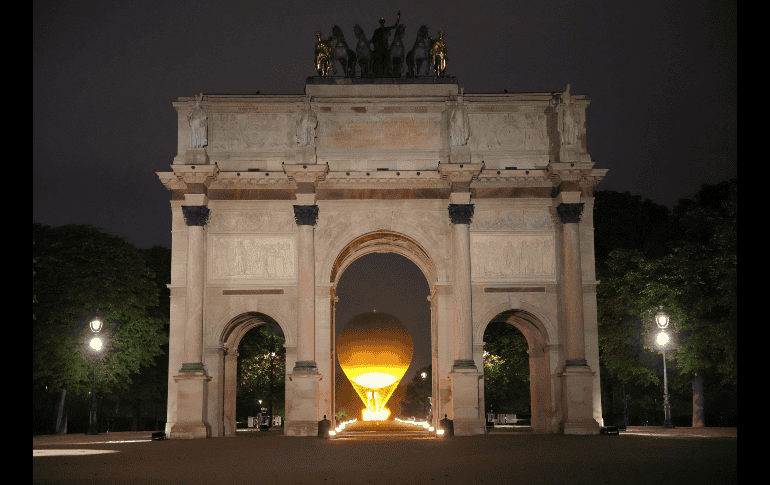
<point x="385" y="242"/>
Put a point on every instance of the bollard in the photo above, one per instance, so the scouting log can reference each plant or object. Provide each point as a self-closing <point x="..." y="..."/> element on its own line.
<point x="323" y="427"/>
<point x="448" y="426"/>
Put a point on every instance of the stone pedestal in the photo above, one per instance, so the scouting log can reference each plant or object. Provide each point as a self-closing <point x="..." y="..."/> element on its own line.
<point x="460" y="154"/>
<point x="578" y="389"/>
<point x="306" y="155"/>
<point x="196" y="156"/>
<point x="192" y="391"/>
<point x="465" y="401"/>
<point x="302" y="412"/>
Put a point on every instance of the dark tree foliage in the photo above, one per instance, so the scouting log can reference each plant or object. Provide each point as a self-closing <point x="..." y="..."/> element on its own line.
<point x="262" y="370"/>
<point x="80" y="272"/>
<point x="415" y="402"/>
<point x="691" y="270"/>
<point x="506" y="368"/>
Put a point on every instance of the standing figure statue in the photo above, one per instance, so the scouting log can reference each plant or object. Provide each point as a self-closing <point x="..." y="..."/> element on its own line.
<point x="567" y="124"/>
<point x="198" y="125"/>
<point x="306" y="125"/>
<point x="459" y="131"/>
<point x="381" y="53"/>
<point x="323" y="54"/>
<point x="438" y="53"/>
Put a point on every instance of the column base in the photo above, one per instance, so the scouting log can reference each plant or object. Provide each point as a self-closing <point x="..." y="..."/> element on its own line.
<point x="465" y="399"/>
<point x="301" y="428"/>
<point x="192" y="388"/>
<point x="189" y="431"/>
<point x="302" y="410"/>
<point x="577" y="388"/>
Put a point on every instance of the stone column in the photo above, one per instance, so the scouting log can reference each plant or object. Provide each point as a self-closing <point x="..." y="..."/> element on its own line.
<point x="460" y="215"/>
<point x="230" y="392"/>
<point x="192" y="379"/>
<point x="577" y="376"/>
<point x="302" y="417"/>
<point x="464" y="375"/>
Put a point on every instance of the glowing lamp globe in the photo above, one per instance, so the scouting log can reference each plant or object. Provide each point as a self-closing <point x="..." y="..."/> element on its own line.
<point x="374" y="351"/>
<point x="662" y="339"/>
<point x="96" y="344"/>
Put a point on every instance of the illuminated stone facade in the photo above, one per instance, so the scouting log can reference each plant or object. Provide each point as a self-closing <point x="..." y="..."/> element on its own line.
<point x="490" y="195"/>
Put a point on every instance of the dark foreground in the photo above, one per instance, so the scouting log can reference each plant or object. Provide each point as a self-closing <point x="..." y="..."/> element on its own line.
<point x="651" y="457"/>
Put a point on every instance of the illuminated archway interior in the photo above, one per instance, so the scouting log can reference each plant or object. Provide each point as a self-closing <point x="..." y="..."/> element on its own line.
<point x="374" y="351"/>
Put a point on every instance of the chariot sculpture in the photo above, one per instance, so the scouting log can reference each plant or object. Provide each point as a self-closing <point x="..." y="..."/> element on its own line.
<point x="376" y="57"/>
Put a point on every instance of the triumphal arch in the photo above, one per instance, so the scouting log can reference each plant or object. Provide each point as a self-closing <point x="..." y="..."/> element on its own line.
<point x="490" y="195"/>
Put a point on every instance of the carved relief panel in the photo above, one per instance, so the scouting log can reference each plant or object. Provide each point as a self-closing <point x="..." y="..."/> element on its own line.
<point x="267" y="258"/>
<point x="252" y="245"/>
<point x="501" y="256"/>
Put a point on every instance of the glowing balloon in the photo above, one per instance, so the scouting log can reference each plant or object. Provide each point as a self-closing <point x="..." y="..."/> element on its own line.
<point x="375" y="350"/>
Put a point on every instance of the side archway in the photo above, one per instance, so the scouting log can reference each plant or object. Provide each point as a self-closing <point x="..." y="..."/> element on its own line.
<point x="230" y="338"/>
<point x="536" y="335"/>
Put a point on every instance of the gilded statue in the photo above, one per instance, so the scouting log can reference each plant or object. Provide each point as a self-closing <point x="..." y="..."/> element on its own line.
<point x="438" y="53"/>
<point x="324" y="50"/>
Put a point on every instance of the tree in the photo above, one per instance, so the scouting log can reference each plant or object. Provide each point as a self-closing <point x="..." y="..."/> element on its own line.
<point x="262" y="367"/>
<point x="416" y="400"/>
<point x="506" y="368"/>
<point x="695" y="280"/>
<point x="80" y="272"/>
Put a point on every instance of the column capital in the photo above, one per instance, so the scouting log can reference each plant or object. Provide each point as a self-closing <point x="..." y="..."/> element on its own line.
<point x="306" y="215"/>
<point x="195" y="215"/>
<point x="570" y="213"/>
<point x="461" y="213"/>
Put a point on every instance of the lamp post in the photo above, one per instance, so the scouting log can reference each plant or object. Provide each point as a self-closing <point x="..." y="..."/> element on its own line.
<point x="663" y="340"/>
<point x="96" y="345"/>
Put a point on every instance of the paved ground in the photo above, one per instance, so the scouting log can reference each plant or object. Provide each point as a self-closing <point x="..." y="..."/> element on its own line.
<point x="644" y="455"/>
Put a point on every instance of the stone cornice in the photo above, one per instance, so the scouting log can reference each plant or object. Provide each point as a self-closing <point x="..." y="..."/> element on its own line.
<point x="391" y="180"/>
<point x="253" y="180"/>
<point x="196" y="174"/>
<point x="306" y="173"/>
<point x="459" y="173"/>
<point x="581" y="173"/>
<point x="512" y="178"/>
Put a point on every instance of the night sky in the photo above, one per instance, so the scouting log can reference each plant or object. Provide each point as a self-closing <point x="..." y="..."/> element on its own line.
<point x="661" y="76"/>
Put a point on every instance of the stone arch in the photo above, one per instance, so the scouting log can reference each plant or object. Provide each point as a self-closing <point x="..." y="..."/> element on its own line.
<point x="226" y="322"/>
<point x="383" y="241"/>
<point x="540" y="373"/>
<point x="386" y="241"/>
<point x="229" y="339"/>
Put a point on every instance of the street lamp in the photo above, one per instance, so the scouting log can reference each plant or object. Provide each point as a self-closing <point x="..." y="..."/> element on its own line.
<point x="663" y="340"/>
<point x="96" y="344"/>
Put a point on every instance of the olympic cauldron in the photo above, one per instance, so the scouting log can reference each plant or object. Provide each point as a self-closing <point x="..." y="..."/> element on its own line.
<point x="375" y="350"/>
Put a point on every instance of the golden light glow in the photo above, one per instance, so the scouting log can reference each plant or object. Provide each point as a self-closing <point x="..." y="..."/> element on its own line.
<point x="374" y="350"/>
<point x="662" y="339"/>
